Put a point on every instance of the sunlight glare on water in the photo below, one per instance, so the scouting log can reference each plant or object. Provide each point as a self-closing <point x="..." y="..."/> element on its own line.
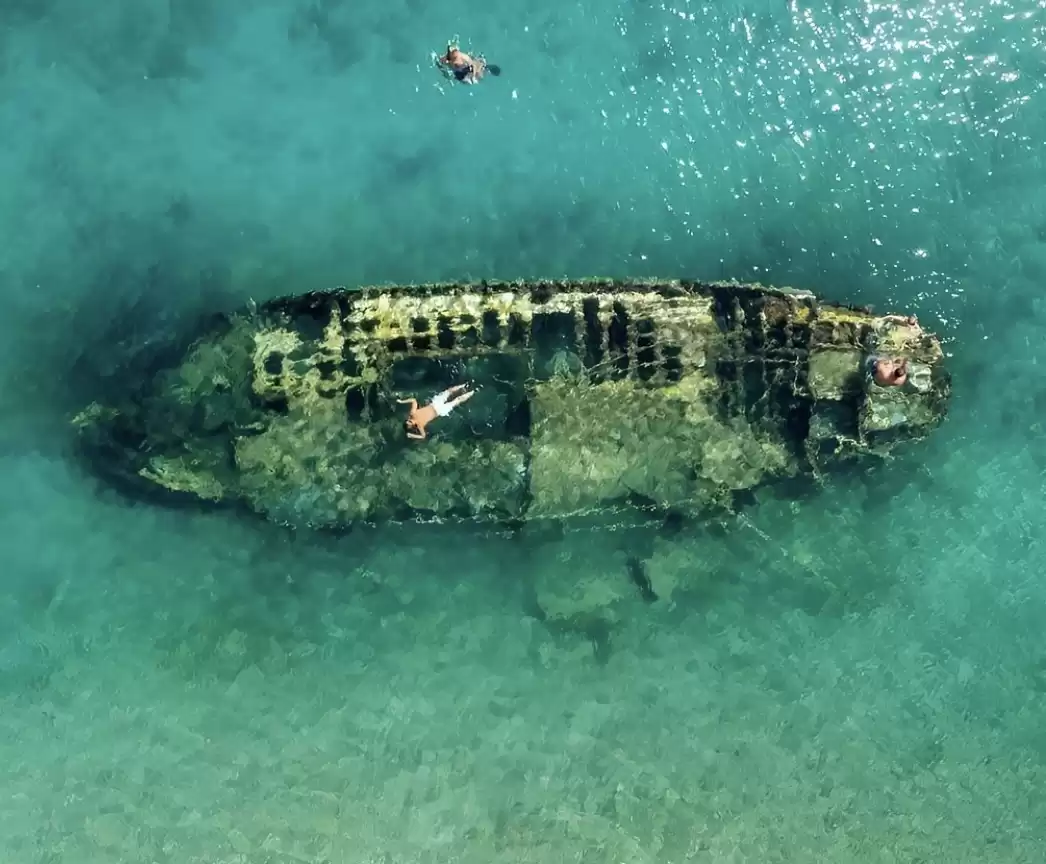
<point x="879" y="107"/>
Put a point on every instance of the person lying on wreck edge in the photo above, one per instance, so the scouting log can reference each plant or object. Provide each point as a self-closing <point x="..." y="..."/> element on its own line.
<point x="887" y="372"/>
<point x="460" y="66"/>
<point x="440" y="406"/>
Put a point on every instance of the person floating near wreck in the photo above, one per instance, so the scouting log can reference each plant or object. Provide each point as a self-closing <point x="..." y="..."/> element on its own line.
<point x="888" y="371"/>
<point x="462" y="67"/>
<point x="440" y="406"/>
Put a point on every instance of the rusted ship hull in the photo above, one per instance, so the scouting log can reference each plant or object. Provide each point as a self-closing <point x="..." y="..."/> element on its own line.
<point x="623" y="399"/>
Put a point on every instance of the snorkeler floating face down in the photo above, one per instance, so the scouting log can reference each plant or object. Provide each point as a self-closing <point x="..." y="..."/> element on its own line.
<point x="464" y="68"/>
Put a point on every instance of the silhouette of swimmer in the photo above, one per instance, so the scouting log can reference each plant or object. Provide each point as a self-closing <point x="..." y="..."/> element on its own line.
<point x="462" y="67"/>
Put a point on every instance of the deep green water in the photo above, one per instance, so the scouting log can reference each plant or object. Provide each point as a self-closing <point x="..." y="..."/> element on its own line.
<point x="860" y="677"/>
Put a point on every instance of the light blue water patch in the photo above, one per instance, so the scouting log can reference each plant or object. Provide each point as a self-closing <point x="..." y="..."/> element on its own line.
<point x="854" y="676"/>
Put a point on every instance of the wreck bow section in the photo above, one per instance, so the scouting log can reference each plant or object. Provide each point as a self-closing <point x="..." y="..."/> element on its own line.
<point x="622" y="399"/>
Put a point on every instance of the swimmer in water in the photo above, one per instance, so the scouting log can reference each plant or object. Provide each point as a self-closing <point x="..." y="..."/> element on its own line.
<point x="440" y="406"/>
<point x="888" y="371"/>
<point x="462" y="67"/>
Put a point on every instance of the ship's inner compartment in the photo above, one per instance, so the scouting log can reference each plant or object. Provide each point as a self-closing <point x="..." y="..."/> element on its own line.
<point x="500" y="409"/>
<point x="504" y="363"/>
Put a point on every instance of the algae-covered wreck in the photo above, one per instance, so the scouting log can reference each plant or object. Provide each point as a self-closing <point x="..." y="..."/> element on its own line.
<point x="629" y="399"/>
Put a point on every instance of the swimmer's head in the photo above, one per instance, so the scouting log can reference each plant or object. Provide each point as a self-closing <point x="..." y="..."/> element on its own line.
<point x="890" y="372"/>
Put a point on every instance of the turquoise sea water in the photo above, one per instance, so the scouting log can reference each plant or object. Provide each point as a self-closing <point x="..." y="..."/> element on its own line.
<point x="858" y="677"/>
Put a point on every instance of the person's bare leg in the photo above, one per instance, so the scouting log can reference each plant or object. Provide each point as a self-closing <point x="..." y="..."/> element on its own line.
<point x="454" y="403"/>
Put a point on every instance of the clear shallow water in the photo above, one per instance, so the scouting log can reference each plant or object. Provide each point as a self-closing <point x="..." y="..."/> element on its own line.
<point x="858" y="678"/>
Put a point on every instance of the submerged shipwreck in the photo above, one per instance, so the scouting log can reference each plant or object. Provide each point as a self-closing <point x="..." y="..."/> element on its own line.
<point x="623" y="400"/>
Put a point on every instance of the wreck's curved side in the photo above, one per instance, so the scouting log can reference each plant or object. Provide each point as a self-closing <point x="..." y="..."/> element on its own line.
<point x="593" y="397"/>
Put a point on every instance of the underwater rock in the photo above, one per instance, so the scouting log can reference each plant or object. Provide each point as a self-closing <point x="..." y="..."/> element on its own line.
<point x="620" y="400"/>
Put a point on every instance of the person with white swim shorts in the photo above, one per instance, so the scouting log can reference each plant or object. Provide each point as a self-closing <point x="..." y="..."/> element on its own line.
<point x="440" y="406"/>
